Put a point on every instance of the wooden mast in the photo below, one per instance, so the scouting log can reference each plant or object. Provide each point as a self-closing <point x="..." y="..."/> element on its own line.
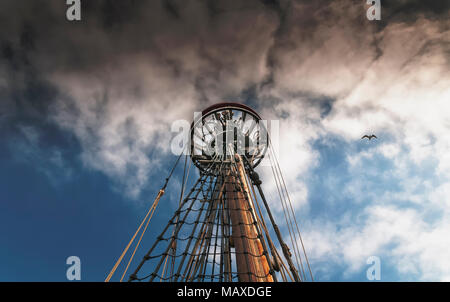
<point x="252" y="264"/>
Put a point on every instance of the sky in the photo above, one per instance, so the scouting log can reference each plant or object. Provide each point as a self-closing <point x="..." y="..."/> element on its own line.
<point x="86" y="109"/>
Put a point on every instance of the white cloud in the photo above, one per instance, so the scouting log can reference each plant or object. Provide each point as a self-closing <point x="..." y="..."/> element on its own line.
<point x="403" y="97"/>
<point x="121" y="121"/>
<point x="298" y="128"/>
<point x="394" y="82"/>
<point x="400" y="237"/>
<point x="27" y="147"/>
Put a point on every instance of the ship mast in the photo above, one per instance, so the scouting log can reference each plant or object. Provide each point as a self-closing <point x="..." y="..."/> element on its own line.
<point x="222" y="228"/>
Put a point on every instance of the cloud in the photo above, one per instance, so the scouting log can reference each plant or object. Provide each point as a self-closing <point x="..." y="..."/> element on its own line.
<point x="400" y="237"/>
<point x="118" y="94"/>
<point x="120" y="77"/>
<point x="398" y="89"/>
<point x="385" y="205"/>
<point x="26" y="147"/>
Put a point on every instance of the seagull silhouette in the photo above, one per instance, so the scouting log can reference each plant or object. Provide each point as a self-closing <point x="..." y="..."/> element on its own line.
<point x="369" y="136"/>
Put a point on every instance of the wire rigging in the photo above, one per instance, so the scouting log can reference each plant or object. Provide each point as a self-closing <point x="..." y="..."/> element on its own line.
<point x="221" y="228"/>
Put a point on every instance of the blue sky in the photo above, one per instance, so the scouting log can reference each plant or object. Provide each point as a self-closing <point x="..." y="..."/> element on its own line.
<point x="86" y="110"/>
<point x="47" y="216"/>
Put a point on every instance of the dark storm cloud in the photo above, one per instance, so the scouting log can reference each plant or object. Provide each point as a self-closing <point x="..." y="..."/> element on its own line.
<point x="101" y="94"/>
<point x="409" y="10"/>
<point x="121" y="75"/>
<point x="37" y="32"/>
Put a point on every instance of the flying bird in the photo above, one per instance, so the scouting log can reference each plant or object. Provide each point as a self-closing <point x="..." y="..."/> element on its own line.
<point x="369" y="136"/>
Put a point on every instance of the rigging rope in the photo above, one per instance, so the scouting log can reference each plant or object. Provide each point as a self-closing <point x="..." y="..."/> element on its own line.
<point x="286" y="216"/>
<point x="155" y="202"/>
<point x="291" y="210"/>
<point x="153" y="208"/>
<point x="161" y="192"/>
<point x="213" y="220"/>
